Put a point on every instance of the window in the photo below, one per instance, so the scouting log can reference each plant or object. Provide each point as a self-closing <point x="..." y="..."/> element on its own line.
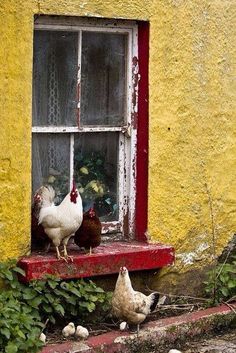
<point x="85" y="81"/>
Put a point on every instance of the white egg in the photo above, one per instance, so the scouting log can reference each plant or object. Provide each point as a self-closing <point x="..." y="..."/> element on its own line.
<point x="42" y="337"/>
<point x="123" y="325"/>
<point x="174" y="351"/>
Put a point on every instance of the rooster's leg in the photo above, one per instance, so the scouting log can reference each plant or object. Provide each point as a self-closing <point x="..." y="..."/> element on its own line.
<point x="66" y="254"/>
<point x="59" y="255"/>
<point x="58" y="252"/>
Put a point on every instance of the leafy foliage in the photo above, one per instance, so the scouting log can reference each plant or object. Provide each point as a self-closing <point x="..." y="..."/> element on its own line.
<point x="221" y="283"/>
<point x="23" y="307"/>
<point x="96" y="182"/>
<point x="20" y="324"/>
<point x="69" y="299"/>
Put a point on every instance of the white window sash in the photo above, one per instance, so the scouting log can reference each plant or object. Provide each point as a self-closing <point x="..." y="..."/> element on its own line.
<point x="128" y="133"/>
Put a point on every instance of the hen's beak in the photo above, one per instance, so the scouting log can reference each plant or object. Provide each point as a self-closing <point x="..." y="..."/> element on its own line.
<point x="123" y="270"/>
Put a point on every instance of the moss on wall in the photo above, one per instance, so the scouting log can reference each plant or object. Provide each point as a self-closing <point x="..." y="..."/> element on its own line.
<point x="192" y="127"/>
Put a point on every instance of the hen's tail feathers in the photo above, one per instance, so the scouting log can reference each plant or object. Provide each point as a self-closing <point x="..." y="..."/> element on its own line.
<point x="48" y="196"/>
<point x="154" y="300"/>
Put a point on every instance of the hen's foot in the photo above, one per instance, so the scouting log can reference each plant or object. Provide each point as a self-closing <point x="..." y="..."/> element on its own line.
<point x="66" y="256"/>
<point x="70" y="258"/>
<point x="62" y="258"/>
<point x="89" y="252"/>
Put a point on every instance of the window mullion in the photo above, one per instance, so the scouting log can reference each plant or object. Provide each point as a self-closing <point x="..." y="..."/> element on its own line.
<point x="122" y="192"/>
<point x="79" y="77"/>
<point x="72" y="142"/>
<point x="134" y="78"/>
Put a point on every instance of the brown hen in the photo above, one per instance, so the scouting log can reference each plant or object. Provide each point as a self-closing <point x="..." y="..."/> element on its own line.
<point x="39" y="239"/>
<point x="88" y="236"/>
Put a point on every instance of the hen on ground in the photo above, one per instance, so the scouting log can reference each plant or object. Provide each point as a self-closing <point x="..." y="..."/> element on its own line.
<point x="130" y="305"/>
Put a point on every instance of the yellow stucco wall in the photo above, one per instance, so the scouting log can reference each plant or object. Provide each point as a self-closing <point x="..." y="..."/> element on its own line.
<point x="192" y="127"/>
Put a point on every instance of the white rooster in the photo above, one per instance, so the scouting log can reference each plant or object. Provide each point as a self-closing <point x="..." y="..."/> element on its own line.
<point x="130" y="305"/>
<point x="60" y="222"/>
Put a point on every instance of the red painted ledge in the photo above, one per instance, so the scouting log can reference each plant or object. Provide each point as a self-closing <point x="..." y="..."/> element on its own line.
<point x="165" y="331"/>
<point x="106" y="259"/>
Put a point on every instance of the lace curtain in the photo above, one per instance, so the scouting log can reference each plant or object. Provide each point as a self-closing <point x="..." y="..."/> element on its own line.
<point x="54" y="103"/>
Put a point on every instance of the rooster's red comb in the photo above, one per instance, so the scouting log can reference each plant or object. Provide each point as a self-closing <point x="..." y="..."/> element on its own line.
<point x="73" y="185"/>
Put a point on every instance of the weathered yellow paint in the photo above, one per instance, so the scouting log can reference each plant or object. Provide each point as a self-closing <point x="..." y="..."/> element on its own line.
<point x="192" y="131"/>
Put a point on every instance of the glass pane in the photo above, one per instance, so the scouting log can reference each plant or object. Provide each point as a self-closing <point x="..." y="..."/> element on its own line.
<point x="103" y="79"/>
<point x="55" y="78"/>
<point x="95" y="169"/>
<point x="51" y="162"/>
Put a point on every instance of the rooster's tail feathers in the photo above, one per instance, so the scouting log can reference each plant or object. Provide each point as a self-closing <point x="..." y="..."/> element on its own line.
<point x="48" y="195"/>
<point x="154" y="300"/>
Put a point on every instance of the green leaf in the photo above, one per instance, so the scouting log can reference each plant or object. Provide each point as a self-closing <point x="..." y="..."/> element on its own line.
<point x="99" y="290"/>
<point x="76" y="292"/>
<point x="20" y="334"/>
<point x="91" y="307"/>
<point x="71" y="300"/>
<point x="19" y="270"/>
<point x="35" y="302"/>
<point x="224" y="291"/>
<point x="93" y="298"/>
<point x="232" y="284"/>
<point x="8" y="275"/>
<point x="50" y="297"/>
<point x="11" y="348"/>
<point x="52" y="284"/>
<point x="5" y="332"/>
<point x="60" y="309"/>
<point x="47" y="308"/>
<point x="52" y="319"/>
<point x="28" y="295"/>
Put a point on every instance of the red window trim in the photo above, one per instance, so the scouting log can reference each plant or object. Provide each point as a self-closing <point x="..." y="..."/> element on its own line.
<point x="136" y="255"/>
<point x="141" y="207"/>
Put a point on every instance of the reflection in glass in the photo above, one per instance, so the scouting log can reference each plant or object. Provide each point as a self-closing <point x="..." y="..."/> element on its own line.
<point x="95" y="170"/>
<point x="103" y="79"/>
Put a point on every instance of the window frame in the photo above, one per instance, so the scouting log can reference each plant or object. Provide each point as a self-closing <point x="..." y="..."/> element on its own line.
<point x="127" y="169"/>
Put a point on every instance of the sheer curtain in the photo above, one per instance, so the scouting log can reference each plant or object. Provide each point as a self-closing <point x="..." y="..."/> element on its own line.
<point x="54" y="104"/>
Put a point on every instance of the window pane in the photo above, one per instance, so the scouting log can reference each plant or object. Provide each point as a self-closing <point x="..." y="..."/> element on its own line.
<point x="103" y="79"/>
<point x="55" y="78"/>
<point x="95" y="168"/>
<point x="51" y="162"/>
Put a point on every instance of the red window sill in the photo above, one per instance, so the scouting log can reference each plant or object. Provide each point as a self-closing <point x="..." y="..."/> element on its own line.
<point x="106" y="259"/>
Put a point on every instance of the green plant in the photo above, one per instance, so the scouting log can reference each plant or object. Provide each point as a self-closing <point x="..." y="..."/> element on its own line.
<point x="23" y="307"/>
<point x="69" y="299"/>
<point x="96" y="183"/>
<point x="221" y="282"/>
<point x="20" y="324"/>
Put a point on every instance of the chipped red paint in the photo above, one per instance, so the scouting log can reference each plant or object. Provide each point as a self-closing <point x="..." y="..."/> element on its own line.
<point x="135" y="79"/>
<point x="142" y="134"/>
<point x="106" y="259"/>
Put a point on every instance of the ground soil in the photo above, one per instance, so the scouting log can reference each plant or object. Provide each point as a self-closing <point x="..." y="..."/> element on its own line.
<point x="54" y="332"/>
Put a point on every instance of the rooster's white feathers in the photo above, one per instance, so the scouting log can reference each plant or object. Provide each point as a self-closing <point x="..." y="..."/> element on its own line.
<point x="60" y="222"/>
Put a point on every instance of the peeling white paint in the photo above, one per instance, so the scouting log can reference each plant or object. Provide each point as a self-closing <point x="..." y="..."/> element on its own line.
<point x="190" y="257"/>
